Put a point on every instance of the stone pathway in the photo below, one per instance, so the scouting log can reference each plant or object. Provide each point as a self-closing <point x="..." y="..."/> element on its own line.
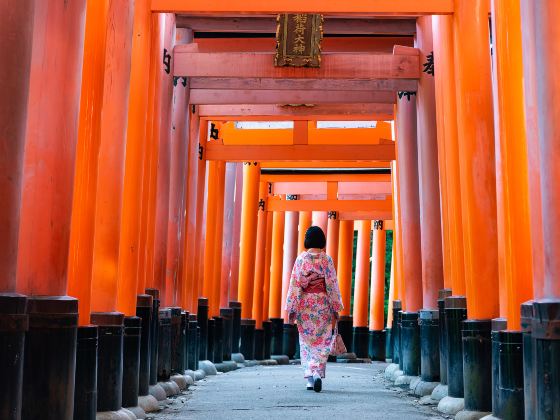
<point x="350" y="391"/>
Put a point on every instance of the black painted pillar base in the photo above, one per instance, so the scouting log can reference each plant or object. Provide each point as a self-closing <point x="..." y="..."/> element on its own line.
<point x="227" y="315"/>
<point x="14" y="323"/>
<point x="202" y="318"/>
<point x="192" y="339"/>
<point x="377" y="345"/>
<point x="144" y="307"/>
<point x="443" y="350"/>
<point x="218" y="340"/>
<point x="289" y="340"/>
<point x="247" y="333"/>
<point x="346" y="331"/>
<point x="510" y="380"/>
<point x="154" y="335"/>
<point x="164" y="345"/>
<point x="455" y="314"/>
<point x="429" y="345"/>
<point x="529" y="380"/>
<point x="184" y="339"/>
<point x="131" y="360"/>
<point x="85" y="391"/>
<point x="360" y="342"/>
<point x="211" y="340"/>
<point x="177" y="356"/>
<point x="498" y="324"/>
<point x="477" y="365"/>
<point x="259" y="344"/>
<point x="396" y="333"/>
<point x="277" y="336"/>
<point x="235" y="326"/>
<point x="267" y="339"/>
<point x="410" y="343"/>
<point x="546" y="357"/>
<point x="49" y="366"/>
<point x="109" y="360"/>
<point x="388" y="345"/>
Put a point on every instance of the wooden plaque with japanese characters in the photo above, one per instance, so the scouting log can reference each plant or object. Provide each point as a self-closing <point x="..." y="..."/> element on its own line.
<point x="298" y="39"/>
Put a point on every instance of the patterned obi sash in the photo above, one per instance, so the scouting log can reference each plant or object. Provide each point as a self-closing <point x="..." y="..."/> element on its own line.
<point x="318" y="287"/>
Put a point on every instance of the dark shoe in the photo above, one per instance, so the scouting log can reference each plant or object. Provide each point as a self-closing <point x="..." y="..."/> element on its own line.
<point x="309" y="387"/>
<point x="317" y="385"/>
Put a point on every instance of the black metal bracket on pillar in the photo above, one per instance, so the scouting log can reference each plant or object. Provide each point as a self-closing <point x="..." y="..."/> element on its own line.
<point x="247" y="332"/>
<point x="131" y="360"/>
<point x="396" y="332"/>
<point x="388" y="345"/>
<point x="267" y="339"/>
<point x="443" y="347"/>
<point x="277" y="336"/>
<point x="377" y="345"/>
<point x="227" y="316"/>
<point x="455" y="314"/>
<point x="85" y="389"/>
<point x="109" y="360"/>
<point x="360" y="342"/>
<point x="477" y="365"/>
<point x="529" y="380"/>
<point x="546" y="334"/>
<point x="192" y="343"/>
<point x="144" y="310"/>
<point x="202" y="318"/>
<point x="236" y="326"/>
<point x="218" y="339"/>
<point x="259" y="344"/>
<point x="429" y="345"/>
<point x="164" y="345"/>
<point x="14" y="322"/>
<point x="49" y="366"/>
<point x="177" y="356"/>
<point x="211" y="341"/>
<point x="345" y="329"/>
<point x="410" y="343"/>
<point x="510" y="380"/>
<point x="290" y="336"/>
<point x="184" y="339"/>
<point x="154" y="335"/>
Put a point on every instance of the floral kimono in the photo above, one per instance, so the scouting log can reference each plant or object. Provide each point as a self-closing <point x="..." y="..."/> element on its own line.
<point x="313" y="309"/>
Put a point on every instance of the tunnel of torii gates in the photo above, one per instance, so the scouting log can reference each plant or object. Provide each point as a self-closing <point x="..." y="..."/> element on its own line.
<point x="158" y="173"/>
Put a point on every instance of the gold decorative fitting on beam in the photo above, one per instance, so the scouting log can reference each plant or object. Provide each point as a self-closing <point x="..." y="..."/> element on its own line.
<point x="298" y="40"/>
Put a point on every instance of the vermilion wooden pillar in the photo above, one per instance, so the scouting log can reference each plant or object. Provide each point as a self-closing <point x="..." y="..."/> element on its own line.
<point x="532" y="117"/>
<point x="161" y="131"/>
<point x="408" y="201"/>
<point x="512" y="182"/>
<point x="448" y="152"/>
<point x="305" y="220"/>
<point x="275" y="298"/>
<point x="110" y="169"/>
<point x="50" y="148"/>
<point x="377" y="289"/>
<point x="260" y="257"/>
<point x="476" y="149"/>
<point x="391" y="296"/>
<point x="345" y="245"/>
<point x="333" y="237"/>
<point x="87" y="154"/>
<point x="430" y="237"/>
<point x="227" y="246"/>
<point x="290" y="255"/>
<point x="174" y="288"/>
<point x="234" y="281"/>
<point x="319" y="218"/>
<point x="251" y="176"/>
<point x="16" y="22"/>
<point x="361" y="283"/>
<point x="218" y="239"/>
<point x="134" y="159"/>
<point x="397" y="234"/>
<point x="267" y="261"/>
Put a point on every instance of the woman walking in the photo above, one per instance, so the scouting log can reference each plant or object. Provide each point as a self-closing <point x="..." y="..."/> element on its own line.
<point x="313" y="302"/>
